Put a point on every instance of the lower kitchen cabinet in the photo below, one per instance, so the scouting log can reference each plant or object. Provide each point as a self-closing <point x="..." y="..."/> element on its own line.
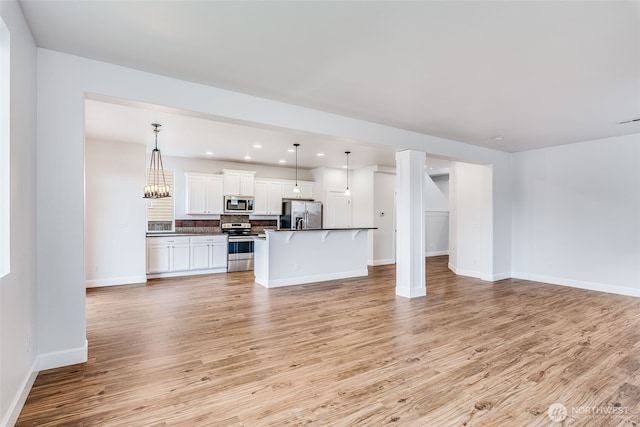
<point x="166" y="254"/>
<point x="183" y="255"/>
<point x="208" y="252"/>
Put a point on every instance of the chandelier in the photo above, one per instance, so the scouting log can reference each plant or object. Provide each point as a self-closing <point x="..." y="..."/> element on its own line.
<point x="156" y="187"/>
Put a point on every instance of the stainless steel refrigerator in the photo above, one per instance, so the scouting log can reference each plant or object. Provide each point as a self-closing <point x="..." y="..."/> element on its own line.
<point x="301" y="215"/>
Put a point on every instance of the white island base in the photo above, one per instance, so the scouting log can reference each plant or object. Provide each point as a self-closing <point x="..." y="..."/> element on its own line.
<point x="288" y="257"/>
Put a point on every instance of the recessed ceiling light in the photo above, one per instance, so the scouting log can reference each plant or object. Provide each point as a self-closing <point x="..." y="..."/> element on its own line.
<point x="209" y="153"/>
<point x="257" y="146"/>
<point x="282" y="161"/>
<point x="498" y="138"/>
<point x="291" y="150"/>
<point x="320" y="154"/>
<point x="247" y="157"/>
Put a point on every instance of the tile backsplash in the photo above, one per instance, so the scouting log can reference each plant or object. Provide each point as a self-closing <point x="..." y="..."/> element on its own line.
<point x="205" y="226"/>
<point x="200" y="226"/>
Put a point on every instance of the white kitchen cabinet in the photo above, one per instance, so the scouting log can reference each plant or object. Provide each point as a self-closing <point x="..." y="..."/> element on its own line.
<point x="306" y="190"/>
<point x="199" y="256"/>
<point x="167" y="254"/>
<point x="268" y="197"/>
<point x="158" y="258"/>
<point x="275" y="198"/>
<point x="208" y="252"/>
<point x="204" y="194"/>
<point x="180" y="257"/>
<point x="185" y="255"/>
<point x="238" y="183"/>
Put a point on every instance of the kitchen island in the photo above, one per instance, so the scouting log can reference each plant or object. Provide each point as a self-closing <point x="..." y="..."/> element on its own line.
<point x="295" y="257"/>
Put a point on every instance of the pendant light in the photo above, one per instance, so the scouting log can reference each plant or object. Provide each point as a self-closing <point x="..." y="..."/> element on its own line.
<point x="156" y="187"/>
<point x="296" y="189"/>
<point x="347" y="192"/>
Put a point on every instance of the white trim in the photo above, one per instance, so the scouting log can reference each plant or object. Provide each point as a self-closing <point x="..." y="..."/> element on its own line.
<point x="410" y="223"/>
<point x="499" y="276"/>
<point x="479" y="275"/>
<point x="386" y="261"/>
<point x="60" y="358"/>
<point x="436" y="253"/>
<point x="187" y="273"/>
<point x="592" y="286"/>
<point x="467" y="273"/>
<point x="115" y="281"/>
<point x="300" y="280"/>
<point x="411" y="292"/>
<point x="14" y="409"/>
<point x="5" y="150"/>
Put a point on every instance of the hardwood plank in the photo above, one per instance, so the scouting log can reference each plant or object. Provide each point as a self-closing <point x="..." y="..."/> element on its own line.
<point x="220" y="350"/>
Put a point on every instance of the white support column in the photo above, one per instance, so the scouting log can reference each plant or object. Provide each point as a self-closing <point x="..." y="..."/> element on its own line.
<point x="410" y="271"/>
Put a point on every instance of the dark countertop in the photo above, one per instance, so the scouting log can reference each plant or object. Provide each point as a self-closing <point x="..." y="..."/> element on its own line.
<point x="173" y="234"/>
<point x="330" y="229"/>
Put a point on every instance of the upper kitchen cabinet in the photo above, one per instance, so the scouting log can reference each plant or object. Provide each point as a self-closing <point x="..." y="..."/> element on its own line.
<point x="238" y="183"/>
<point x="306" y="190"/>
<point x="204" y="194"/>
<point x="268" y="197"/>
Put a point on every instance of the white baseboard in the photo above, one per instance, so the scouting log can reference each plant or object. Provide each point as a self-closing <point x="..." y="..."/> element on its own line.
<point x="436" y="253"/>
<point x="381" y="261"/>
<point x="115" y="281"/>
<point x="60" y="358"/>
<point x="478" y="274"/>
<point x="592" y="286"/>
<point x="411" y="293"/>
<point x="186" y="273"/>
<point x="498" y="276"/>
<point x="301" y="280"/>
<point x="14" y="409"/>
<point x="463" y="272"/>
<point x="580" y="284"/>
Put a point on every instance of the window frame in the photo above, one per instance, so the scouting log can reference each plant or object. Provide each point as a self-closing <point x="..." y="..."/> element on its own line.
<point x="173" y="205"/>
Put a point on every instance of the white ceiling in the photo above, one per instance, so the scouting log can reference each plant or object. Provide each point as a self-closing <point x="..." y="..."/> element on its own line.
<point x="536" y="73"/>
<point x="184" y="134"/>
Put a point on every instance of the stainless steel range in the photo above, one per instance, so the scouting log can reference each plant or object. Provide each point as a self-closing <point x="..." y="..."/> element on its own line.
<point x="240" y="256"/>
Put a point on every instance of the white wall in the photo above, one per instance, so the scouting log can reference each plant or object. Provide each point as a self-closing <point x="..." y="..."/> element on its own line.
<point x="63" y="81"/>
<point x="180" y="165"/>
<point x="18" y="288"/>
<point x="436" y="220"/>
<point x="470" y="220"/>
<point x="384" y="218"/>
<point x="436" y="224"/>
<point x="576" y="215"/>
<point x="373" y="193"/>
<point x="115" y="213"/>
<point x="329" y="179"/>
<point x="436" y="194"/>
<point x="362" y="197"/>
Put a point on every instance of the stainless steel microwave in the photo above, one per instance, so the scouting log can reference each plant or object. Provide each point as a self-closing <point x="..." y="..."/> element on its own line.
<point x="238" y="204"/>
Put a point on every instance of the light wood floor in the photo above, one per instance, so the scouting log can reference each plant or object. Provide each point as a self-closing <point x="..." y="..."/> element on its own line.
<point x="220" y="350"/>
